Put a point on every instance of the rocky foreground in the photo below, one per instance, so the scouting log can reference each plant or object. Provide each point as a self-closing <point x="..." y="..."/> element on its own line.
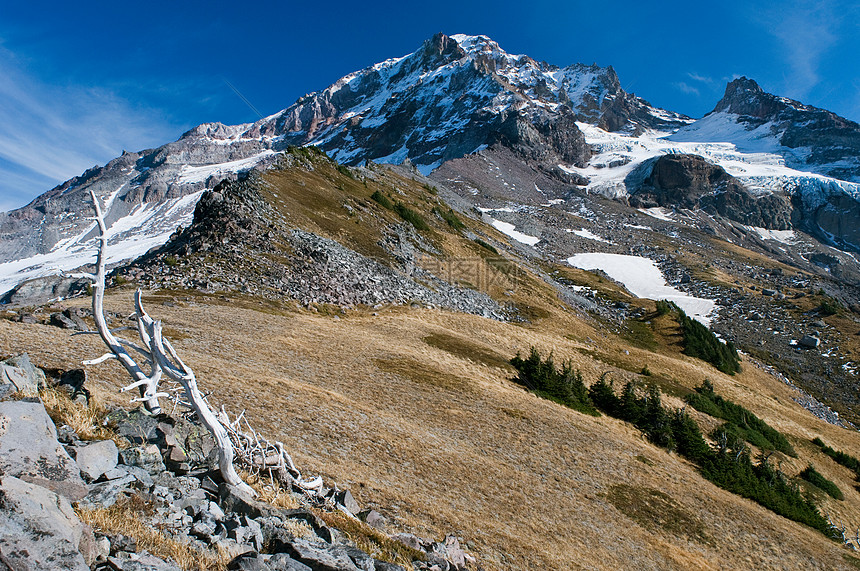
<point x="157" y="477"/>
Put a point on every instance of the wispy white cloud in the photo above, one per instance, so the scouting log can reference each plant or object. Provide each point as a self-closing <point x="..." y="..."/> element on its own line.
<point x="805" y="31"/>
<point x="686" y="88"/>
<point x="49" y="133"/>
<point x="700" y="78"/>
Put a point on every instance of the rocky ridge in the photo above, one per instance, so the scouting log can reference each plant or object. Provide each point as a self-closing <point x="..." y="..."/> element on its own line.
<point x="812" y="138"/>
<point x="691" y="182"/>
<point x="258" y="254"/>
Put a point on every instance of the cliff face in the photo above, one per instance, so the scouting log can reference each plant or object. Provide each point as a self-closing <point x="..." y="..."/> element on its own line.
<point x="689" y="181"/>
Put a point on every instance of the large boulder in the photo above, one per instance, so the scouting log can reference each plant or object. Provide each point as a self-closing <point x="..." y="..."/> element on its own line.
<point x="40" y="290"/>
<point x="19" y="374"/>
<point x="96" y="458"/>
<point x="29" y="450"/>
<point x="39" y="529"/>
<point x="689" y="181"/>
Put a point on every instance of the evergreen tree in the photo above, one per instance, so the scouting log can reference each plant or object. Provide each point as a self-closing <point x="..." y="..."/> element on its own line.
<point x="604" y="398"/>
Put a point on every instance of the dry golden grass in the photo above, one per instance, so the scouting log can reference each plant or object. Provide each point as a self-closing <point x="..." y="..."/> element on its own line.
<point x="413" y="411"/>
<point x="124" y="517"/>
<point x="269" y="490"/>
<point x="88" y="421"/>
<point x="372" y="541"/>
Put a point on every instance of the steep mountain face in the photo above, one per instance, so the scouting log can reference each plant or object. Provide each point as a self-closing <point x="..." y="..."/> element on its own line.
<point x="689" y="181"/>
<point x="457" y="94"/>
<point x="453" y="96"/>
<point x="808" y="138"/>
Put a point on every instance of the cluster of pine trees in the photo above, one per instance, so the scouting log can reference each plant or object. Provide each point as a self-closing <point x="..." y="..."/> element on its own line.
<point x="563" y="386"/>
<point x="728" y="464"/>
<point x="700" y="342"/>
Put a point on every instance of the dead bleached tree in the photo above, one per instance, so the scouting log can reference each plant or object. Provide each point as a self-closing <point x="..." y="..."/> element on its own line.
<point x="235" y="443"/>
<point x="263" y="457"/>
<point x="162" y="360"/>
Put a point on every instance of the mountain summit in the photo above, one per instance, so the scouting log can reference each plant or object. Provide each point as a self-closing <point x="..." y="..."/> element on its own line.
<point x="809" y="138"/>
<point x="560" y="128"/>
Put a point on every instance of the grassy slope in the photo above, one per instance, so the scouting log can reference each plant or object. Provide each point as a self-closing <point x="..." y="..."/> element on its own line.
<point x="414" y="410"/>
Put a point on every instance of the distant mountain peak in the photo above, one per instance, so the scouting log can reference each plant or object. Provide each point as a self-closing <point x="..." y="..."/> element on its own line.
<point x="744" y="96"/>
<point x="808" y="138"/>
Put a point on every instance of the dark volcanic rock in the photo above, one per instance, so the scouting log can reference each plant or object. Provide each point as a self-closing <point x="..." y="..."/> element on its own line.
<point x="689" y="181"/>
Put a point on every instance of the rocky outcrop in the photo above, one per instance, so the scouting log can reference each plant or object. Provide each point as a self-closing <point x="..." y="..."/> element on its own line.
<point x="814" y="139"/>
<point x="259" y="256"/>
<point x="41" y="290"/>
<point x="689" y="181"/>
<point x="17" y="374"/>
<point x="29" y="450"/>
<point x="185" y="501"/>
<point x="836" y="221"/>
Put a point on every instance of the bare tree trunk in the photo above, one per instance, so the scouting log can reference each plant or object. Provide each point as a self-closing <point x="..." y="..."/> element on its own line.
<point x="162" y="359"/>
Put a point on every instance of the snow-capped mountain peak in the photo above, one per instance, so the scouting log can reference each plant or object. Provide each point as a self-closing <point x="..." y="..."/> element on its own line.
<point x="808" y="138"/>
<point x="452" y="97"/>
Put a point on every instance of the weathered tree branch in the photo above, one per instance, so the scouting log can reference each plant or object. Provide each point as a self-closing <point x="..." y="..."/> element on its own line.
<point x="147" y="384"/>
<point x="162" y="358"/>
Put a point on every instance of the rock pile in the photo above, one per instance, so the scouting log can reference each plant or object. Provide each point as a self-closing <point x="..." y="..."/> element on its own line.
<point x="166" y="473"/>
<point x="257" y="257"/>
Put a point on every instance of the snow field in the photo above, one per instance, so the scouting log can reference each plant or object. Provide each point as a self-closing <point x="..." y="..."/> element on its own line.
<point x="643" y="278"/>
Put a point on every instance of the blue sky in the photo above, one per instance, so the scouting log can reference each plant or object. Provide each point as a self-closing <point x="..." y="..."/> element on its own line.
<point x="78" y="85"/>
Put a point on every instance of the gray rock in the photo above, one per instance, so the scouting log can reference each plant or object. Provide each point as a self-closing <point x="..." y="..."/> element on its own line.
<point x="96" y="458"/>
<point x="72" y="315"/>
<point x="177" y="461"/>
<point x="809" y="342"/>
<point x="29" y="450"/>
<point x="373" y="518"/>
<point x="40" y="290"/>
<point x="409" y="540"/>
<point x="105" y="494"/>
<point x="38" y="529"/>
<point x="146" y="457"/>
<point x="102" y="547"/>
<point x="234" y="500"/>
<point x="283" y="562"/>
<point x="140" y="562"/>
<point x="319" y="557"/>
<point x="346" y="499"/>
<point x="204" y="530"/>
<point x="255" y="532"/>
<point x="215" y="511"/>
<point x="21" y="373"/>
<point x="456" y="555"/>
<point x="141" y="475"/>
<point x="361" y="559"/>
<point x="135" y="425"/>
<point x="232" y="548"/>
<point x="61" y="321"/>
<point x="249" y="562"/>
<point x="88" y="546"/>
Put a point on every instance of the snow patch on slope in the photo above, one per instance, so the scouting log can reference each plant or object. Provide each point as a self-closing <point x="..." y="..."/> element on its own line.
<point x="583" y="233"/>
<point x="510" y="230"/>
<point x="129" y="237"/>
<point x="219" y="170"/>
<point x="643" y="278"/>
